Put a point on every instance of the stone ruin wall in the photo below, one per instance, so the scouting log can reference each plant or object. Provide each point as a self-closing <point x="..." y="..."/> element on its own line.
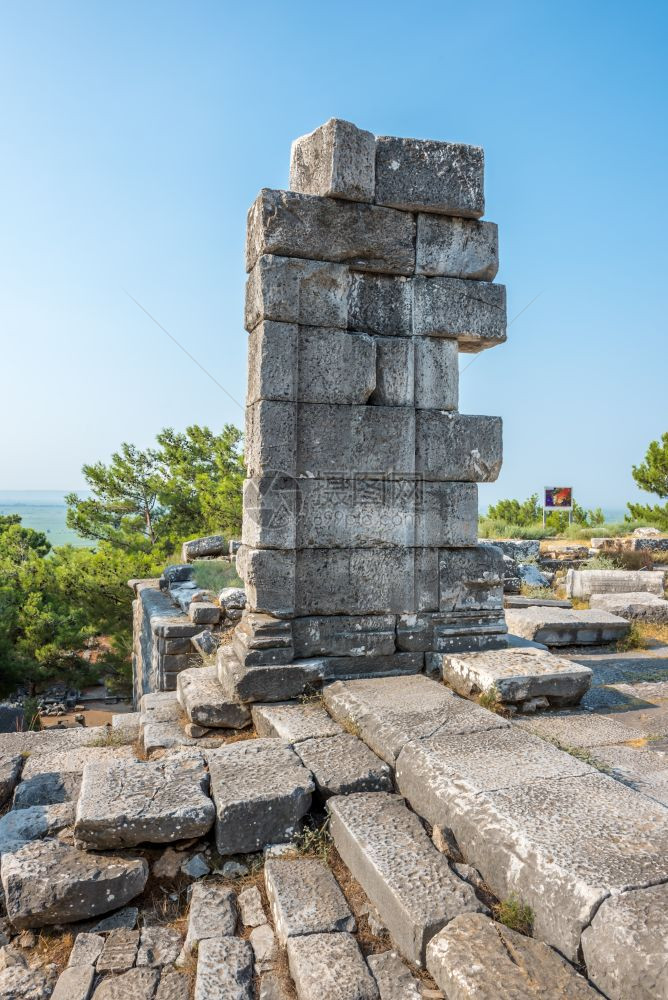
<point x="360" y="552"/>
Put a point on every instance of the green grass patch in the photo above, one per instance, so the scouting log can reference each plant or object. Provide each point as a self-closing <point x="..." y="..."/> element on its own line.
<point x="216" y="574"/>
<point x="515" y="914"/>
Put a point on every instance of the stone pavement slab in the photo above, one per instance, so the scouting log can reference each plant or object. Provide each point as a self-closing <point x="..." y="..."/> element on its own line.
<point x="224" y="969"/>
<point x="48" y="882"/>
<point x="202" y="698"/>
<point x="474" y="958"/>
<point x="133" y="802"/>
<point x="87" y="949"/>
<point x="137" y="984"/>
<point x="17" y="983"/>
<point x="294" y="721"/>
<point x="261" y="791"/>
<point x="626" y="945"/>
<point x="343" y="764"/>
<point x="640" y="607"/>
<point x="518" y="675"/>
<point x="18" y="826"/>
<point x="173" y="985"/>
<point x="305" y="898"/>
<point x="579" y="729"/>
<point x="388" y="851"/>
<point x="389" y="712"/>
<point x="120" y="951"/>
<point x="643" y="769"/>
<point x="212" y="914"/>
<point x="330" y="967"/>
<point x="393" y="977"/>
<point x="563" y="627"/>
<point x="75" y="983"/>
<point x="159" y="946"/>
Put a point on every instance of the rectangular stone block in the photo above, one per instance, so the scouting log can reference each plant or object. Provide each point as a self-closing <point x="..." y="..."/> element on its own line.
<point x="337" y="160"/>
<point x="518" y="675"/>
<point x="270" y="505"/>
<point x="335" y="366"/>
<point x="267" y="656"/>
<point x="267" y="683"/>
<point x="395" y="372"/>
<point x="380" y="304"/>
<point x="354" y="581"/>
<point x="295" y="721"/>
<point x="566" y="627"/>
<point x="457" y="447"/>
<point x="224" y="969"/>
<point x="344" y="635"/>
<point x="472" y="312"/>
<point x="272" y="362"/>
<point x="438" y="632"/>
<point x="583" y="583"/>
<point x="290" y="290"/>
<point x="305" y="898"/>
<point x="436" y="373"/>
<point x="371" y="441"/>
<point x="457" y="248"/>
<point x="446" y="514"/>
<point x="422" y="174"/>
<point x="271" y="438"/>
<point x="269" y="580"/>
<point x="329" y="967"/>
<point x="471" y="579"/>
<point x="366" y="237"/>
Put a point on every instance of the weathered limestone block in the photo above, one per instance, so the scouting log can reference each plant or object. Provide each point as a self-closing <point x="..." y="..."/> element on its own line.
<point x="357" y="581"/>
<point x="269" y="578"/>
<point x="267" y="683"/>
<point x="472" y="312"/>
<point x="393" y="978"/>
<point x="271" y="438"/>
<point x="294" y="721"/>
<point x="448" y="632"/>
<point x="19" y="983"/>
<point x="458" y="447"/>
<point x="173" y="985"/>
<point x="392" y="711"/>
<point x="343" y="764"/>
<point x="224" y="970"/>
<point x="202" y="698"/>
<point x="133" y="802"/>
<point x="474" y="958"/>
<point x="261" y="791"/>
<point x="18" y="826"/>
<point x="366" y="237"/>
<point x="203" y="613"/>
<point x="457" y="248"/>
<point x="255" y="652"/>
<point x="136" y="984"/>
<point x="470" y="579"/>
<point x="446" y="514"/>
<point x="564" y="627"/>
<point x="344" y="635"/>
<point x="641" y="606"/>
<point x="87" y="949"/>
<point x="250" y="907"/>
<point x="626" y="945"/>
<point x="74" y="984"/>
<point x="337" y="160"/>
<point x="518" y="675"/>
<point x="395" y="372"/>
<point x="120" y="950"/>
<point x="305" y="292"/>
<point x="389" y="853"/>
<point x="305" y="898"/>
<point x="380" y="304"/>
<point x="213" y="914"/>
<point x="330" y="967"/>
<point x="48" y="882"/>
<point x="196" y="548"/>
<point x="520" y="549"/>
<point x="10" y="771"/>
<point x="579" y="729"/>
<point x="582" y="583"/>
<point x="263" y="943"/>
<point x="646" y="770"/>
<point x="436" y="373"/>
<point x="159" y="946"/>
<point x="369" y="441"/>
<point x="442" y="177"/>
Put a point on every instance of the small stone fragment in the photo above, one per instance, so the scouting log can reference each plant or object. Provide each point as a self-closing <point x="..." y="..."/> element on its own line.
<point x="213" y="913"/>
<point x="250" y="907"/>
<point x="74" y="983"/>
<point x="393" y="977"/>
<point x="263" y="943"/>
<point x="196" y="867"/>
<point x="305" y="898"/>
<point x="127" y="918"/>
<point x="119" y="952"/>
<point x="330" y="967"/>
<point x="168" y="864"/>
<point x="86" y="950"/>
<point x="233" y="869"/>
<point x="224" y="970"/>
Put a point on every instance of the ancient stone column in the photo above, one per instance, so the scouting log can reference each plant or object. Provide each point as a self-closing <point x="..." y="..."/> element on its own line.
<point x="360" y="552"/>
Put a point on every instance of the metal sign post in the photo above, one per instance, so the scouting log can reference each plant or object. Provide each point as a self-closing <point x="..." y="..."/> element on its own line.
<point x="558" y="498"/>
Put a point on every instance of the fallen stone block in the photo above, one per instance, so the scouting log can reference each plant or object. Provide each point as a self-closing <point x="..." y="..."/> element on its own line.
<point x="48" y="882"/>
<point x="518" y="549"/>
<point x="562" y="627"/>
<point x="224" y="970"/>
<point x="389" y="853"/>
<point x="18" y="983"/>
<point x="136" y="984"/>
<point x="422" y="174"/>
<point x="639" y="607"/>
<point x="473" y="957"/>
<point x="126" y="726"/>
<point x="86" y="950"/>
<point x="206" y="644"/>
<point x="75" y="983"/>
<point x="393" y="978"/>
<point x="294" y="721"/>
<point x="457" y="447"/>
<point x="159" y="946"/>
<point x="365" y="237"/>
<point x="212" y="914"/>
<point x="330" y="967"/>
<point x="261" y="791"/>
<point x="457" y="248"/>
<point x="130" y="803"/>
<point x="204" y="613"/>
<point x="343" y="764"/>
<point x="305" y="898"/>
<point x="10" y="771"/>
<point x="514" y="601"/>
<point x="626" y="945"/>
<point x="198" y="548"/>
<point x="472" y="312"/>
<point x="518" y="675"/>
<point x="120" y="951"/>
<point x="337" y="160"/>
<point x="388" y="713"/>
<point x="125" y="918"/>
<point x="263" y="943"/>
<point x="582" y="583"/>
<point x="18" y="826"/>
<point x="202" y="698"/>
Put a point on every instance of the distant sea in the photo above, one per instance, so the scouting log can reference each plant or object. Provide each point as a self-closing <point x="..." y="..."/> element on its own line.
<point x="43" y="510"/>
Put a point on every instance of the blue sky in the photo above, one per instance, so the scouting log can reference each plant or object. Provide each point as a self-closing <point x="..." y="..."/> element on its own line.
<point x="135" y="136"/>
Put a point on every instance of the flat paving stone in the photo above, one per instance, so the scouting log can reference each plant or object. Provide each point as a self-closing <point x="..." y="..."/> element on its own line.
<point x="133" y="802"/>
<point x="125" y="917"/>
<point x="474" y="958"/>
<point x="18" y="983"/>
<point x="294" y="721"/>
<point x="393" y="977"/>
<point x="75" y="983"/>
<point x="634" y="668"/>
<point x="517" y="675"/>
<point x="50" y="788"/>
<point x="563" y="627"/>
<point x="10" y="771"/>
<point x="126" y="725"/>
<point x="330" y="967"/>
<point x="261" y="791"/>
<point x="579" y="729"/>
<point x="305" y="898"/>
<point x="159" y="946"/>
<point x="645" y="770"/>
<point x="137" y="984"/>
<point x="388" y="851"/>
<point x="19" y="826"/>
<point x="224" y="970"/>
<point x="173" y="985"/>
<point x="251" y="908"/>
<point x="51" y="740"/>
<point x="389" y="712"/>
<point x="213" y="913"/>
<point x="626" y="945"/>
<point x="638" y="607"/>
<point x="202" y="698"/>
<point x="343" y="764"/>
<point x="86" y="950"/>
<point x="48" y="882"/>
<point x="120" y="951"/>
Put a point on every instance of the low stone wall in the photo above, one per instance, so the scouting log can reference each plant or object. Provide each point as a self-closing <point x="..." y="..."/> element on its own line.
<point x="161" y="639"/>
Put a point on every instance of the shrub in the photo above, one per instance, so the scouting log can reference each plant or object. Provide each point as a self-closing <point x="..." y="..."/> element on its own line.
<point x="515" y="914"/>
<point x="216" y="574"/>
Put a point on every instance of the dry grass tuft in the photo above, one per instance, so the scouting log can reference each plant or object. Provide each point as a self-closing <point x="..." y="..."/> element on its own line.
<point x="634" y="639"/>
<point x="53" y="947"/>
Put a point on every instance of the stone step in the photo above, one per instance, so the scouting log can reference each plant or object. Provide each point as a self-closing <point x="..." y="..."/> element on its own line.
<point x="201" y="696"/>
<point x="538" y="823"/>
<point x="294" y="721"/>
<point x="389" y="853"/>
<point x="305" y="898"/>
<point x="515" y="601"/>
<point x="343" y="764"/>
<point x="329" y="967"/>
<point x="224" y="969"/>
<point x="389" y="712"/>
<point x="563" y="627"/>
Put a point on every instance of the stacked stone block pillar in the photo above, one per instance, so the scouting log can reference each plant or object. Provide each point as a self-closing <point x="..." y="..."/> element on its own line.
<point x="365" y="280"/>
